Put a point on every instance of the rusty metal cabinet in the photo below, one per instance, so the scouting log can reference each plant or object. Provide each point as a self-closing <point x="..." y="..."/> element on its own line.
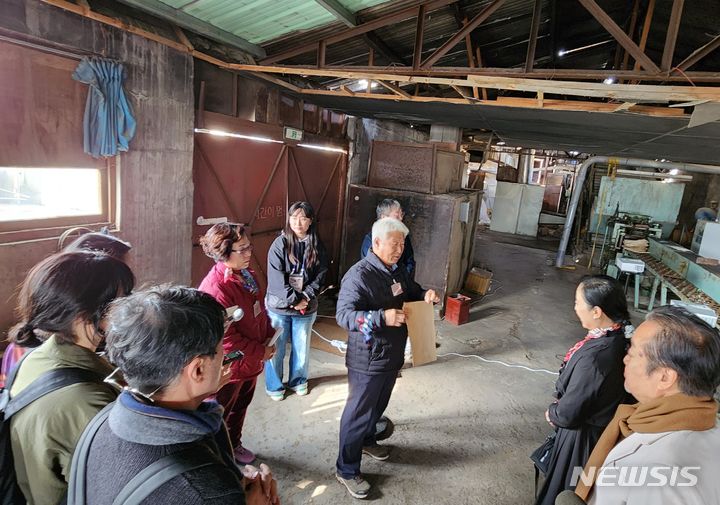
<point x="424" y="168"/>
<point x="442" y="229"/>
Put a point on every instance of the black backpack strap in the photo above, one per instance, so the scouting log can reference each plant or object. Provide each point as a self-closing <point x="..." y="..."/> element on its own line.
<point x="50" y="381"/>
<point x="161" y="471"/>
<point x="77" y="492"/>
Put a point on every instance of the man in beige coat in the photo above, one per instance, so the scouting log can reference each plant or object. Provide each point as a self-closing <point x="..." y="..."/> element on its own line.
<point x="665" y="448"/>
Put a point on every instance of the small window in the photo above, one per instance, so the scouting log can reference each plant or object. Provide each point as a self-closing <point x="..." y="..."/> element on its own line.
<point x="39" y="202"/>
<point x="45" y="193"/>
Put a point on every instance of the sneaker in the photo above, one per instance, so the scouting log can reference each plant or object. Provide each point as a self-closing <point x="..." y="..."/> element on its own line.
<point x="243" y="456"/>
<point x="277" y="396"/>
<point x="378" y="452"/>
<point x="301" y="389"/>
<point x="357" y="486"/>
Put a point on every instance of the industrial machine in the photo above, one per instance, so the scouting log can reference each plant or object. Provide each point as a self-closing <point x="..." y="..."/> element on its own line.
<point x="706" y="240"/>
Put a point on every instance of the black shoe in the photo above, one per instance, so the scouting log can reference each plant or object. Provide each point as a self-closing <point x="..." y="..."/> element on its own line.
<point x="384" y="428"/>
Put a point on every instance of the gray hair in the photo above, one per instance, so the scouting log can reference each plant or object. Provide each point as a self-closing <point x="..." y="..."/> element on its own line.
<point x="687" y="344"/>
<point x="385" y="207"/>
<point x="386" y="225"/>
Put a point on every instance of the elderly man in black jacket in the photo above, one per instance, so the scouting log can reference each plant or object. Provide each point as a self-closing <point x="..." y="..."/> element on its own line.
<point x="369" y="306"/>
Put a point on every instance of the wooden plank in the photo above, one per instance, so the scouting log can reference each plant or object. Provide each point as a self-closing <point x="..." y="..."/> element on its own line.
<point x="672" y="34"/>
<point x="699" y="53"/>
<point x="455" y="39"/>
<point x="626" y="92"/>
<point x="395" y="89"/>
<point x="532" y="41"/>
<point x="340" y="12"/>
<point x="420" y="319"/>
<point x="646" y="29"/>
<point x="607" y="22"/>
<point x="349" y="33"/>
<point x="419" y="34"/>
<point x="588" y="106"/>
<point x="631" y="31"/>
<point x="537" y="73"/>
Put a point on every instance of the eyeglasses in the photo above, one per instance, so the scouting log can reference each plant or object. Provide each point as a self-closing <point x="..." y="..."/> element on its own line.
<point x="243" y="250"/>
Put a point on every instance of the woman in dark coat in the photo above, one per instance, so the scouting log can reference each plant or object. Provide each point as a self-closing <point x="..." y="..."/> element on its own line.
<point x="591" y="382"/>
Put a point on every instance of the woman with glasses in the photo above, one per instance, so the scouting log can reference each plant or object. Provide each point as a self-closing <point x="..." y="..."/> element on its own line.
<point x="62" y="306"/>
<point x="233" y="283"/>
<point x="297" y="265"/>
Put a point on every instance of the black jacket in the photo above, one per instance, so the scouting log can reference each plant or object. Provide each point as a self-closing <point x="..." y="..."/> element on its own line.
<point x="365" y="293"/>
<point x="280" y="295"/>
<point x="588" y="391"/>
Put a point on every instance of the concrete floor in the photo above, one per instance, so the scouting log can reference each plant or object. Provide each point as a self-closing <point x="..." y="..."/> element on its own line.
<point x="464" y="428"/>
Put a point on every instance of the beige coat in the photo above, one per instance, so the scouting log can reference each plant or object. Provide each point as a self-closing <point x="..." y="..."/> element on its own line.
<point x="683" y="468"/>
<point x="44" y="434"/>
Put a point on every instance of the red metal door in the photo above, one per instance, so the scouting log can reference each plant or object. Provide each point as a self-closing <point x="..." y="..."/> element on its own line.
<point x="251" y="181"/>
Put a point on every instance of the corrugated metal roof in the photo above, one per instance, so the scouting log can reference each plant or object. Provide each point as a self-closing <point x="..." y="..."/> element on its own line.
<point x="259" y="21"/>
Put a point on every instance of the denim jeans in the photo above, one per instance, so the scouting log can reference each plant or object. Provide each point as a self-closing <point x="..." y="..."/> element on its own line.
<point x="296" y="329"/>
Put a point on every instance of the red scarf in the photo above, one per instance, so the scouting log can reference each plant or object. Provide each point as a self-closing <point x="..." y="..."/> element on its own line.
<point x="592" y="335"/>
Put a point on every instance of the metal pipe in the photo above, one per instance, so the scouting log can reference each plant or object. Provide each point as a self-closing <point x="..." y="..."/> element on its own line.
<point x="632" y="162"/>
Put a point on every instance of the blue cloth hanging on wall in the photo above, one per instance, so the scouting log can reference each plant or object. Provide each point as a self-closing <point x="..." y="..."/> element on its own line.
<point x="109" y="124"/>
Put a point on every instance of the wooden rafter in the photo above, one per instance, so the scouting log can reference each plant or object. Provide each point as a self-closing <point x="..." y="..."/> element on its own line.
<point x="455" y="39"/>
<point x="532" y="41"/>
<point x="395" y="89"/>
<point x="182" y="37"/>
<point x="699" y="54"/>
<point x="631" y="31"/>
<point x="375" y="42"/>
<point x="672" y="33"/>
<point x="607" y="22"/>
<point x="646" y="29"/>
<point x="419" y="35"/>
<point x="349" y="33"/>
<point x="322" y="47"/>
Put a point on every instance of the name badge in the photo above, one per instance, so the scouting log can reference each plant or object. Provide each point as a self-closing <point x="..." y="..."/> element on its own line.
<point x="397" y="289"/>
<point x="257" y="309"/>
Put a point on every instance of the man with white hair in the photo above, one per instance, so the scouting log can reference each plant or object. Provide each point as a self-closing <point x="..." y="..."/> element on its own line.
<point x="369" y="306"/>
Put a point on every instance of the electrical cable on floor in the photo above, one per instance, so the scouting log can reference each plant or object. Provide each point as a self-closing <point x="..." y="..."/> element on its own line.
<point x="509" y="365"/>
<point x="337" y="344"/>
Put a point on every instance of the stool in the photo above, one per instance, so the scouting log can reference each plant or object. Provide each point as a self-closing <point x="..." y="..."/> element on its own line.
<point x="631" y="266"/>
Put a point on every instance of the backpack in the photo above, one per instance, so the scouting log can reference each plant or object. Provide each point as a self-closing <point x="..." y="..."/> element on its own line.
<point x="50" y="381"/>
<point x="141" y="485"/>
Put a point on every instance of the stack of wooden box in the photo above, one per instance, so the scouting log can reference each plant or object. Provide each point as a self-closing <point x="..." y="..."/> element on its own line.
<point x="442" y="217"/>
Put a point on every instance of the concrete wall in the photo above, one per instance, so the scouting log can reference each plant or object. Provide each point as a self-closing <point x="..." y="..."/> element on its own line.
<point x="362" y="131"/>
<point x="155" y="190"/>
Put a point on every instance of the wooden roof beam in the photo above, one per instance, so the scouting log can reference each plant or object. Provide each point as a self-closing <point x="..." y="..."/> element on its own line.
<point x="339" y="11"/>
<point x="419" y="35"/>
<point x="672" y="34"/>
<point x="460" y="35"/>
<point x="388" y="19"/>
<point x="395" y="89"/>
<point x="699" y="54"/>
<point x="618" y="34"/>
<point x="532" y="41"/>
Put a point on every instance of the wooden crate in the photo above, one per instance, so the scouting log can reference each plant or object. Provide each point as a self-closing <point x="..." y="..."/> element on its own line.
<point x="478" y="280"/>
